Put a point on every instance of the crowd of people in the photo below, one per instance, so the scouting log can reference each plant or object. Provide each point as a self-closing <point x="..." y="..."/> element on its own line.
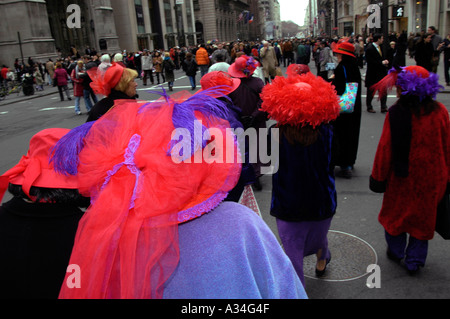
<point x="143" y="225"/>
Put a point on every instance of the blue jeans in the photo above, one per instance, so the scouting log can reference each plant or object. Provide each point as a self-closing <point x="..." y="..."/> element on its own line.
<point x="87" y="99"/>
<point x="203" y="69"/>
<point x="192" y="80"/>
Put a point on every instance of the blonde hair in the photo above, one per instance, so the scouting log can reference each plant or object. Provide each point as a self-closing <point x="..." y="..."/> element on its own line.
<point x="127" y="77"/>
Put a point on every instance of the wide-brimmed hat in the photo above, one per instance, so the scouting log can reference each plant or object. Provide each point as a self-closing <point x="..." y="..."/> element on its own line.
<point x="345" y="48"/>
<point x="35" y="169"/>
<point x="243" y="67"/>
<point x="300" y="100"/>
<point x="147" y="168"/>
<point x="220" y="79"/>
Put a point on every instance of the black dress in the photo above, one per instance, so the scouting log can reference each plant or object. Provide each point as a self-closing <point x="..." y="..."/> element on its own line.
<point x="347" y="126"/>
<point x="36" y="242"/>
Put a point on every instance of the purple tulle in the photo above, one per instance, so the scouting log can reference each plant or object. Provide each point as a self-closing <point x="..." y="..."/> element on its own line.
<point x="183" y="116"/>
<point x="64" y="155"/>
<point x="412" y="84"/>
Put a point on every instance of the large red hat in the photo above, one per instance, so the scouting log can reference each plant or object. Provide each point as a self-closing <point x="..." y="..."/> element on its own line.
<point x="142" y="185"/>
<point x="300" y="100"/>
<point x="35" y="169"/>
<point x="345" y="48"/>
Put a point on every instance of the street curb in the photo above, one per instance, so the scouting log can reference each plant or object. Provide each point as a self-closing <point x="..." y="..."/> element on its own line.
<point x="26" y="98"/>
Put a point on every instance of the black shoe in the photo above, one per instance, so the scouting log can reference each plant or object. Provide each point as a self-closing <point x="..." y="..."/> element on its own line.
<point x="371" y="111"/>
<point x="320" y="273"/>
<point x="384" y="109"/>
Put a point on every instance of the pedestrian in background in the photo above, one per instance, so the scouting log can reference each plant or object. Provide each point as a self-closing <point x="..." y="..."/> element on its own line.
<point x="78" y="88"/>
<point x="38" y="225"/>
<point x="247" y="98"/>
<point x="303" y="187"/>
<point x="269" y="61"/>
<point x="147" y="67"/>
<point x="60" y="76"/>
<point x="376" y="70"/>
<point x="202" y="58"/>
<point x="169" y="68"/>
<point x="157" y="65"/>
<point x="190" y="67"/>
<point x="347" y="126"/>
<point x="412" y="164"/>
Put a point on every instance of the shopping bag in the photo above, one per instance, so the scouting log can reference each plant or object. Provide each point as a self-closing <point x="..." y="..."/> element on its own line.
<point x="348" y="99"/>
<point x="248" y="199"/>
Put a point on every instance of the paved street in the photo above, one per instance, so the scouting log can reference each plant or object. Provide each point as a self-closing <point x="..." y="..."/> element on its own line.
<point x="356" y="239"/>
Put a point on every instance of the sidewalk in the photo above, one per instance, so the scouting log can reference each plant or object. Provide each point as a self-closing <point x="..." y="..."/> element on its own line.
<point x="48" y="90"/>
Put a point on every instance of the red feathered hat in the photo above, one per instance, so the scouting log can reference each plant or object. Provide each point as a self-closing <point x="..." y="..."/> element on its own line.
<point x="147" y="168"/>
<point x="243" y="67"/>
<point x="35" y="169"/>
<point x="300" y="100"/>
<point x="104" y="81"/>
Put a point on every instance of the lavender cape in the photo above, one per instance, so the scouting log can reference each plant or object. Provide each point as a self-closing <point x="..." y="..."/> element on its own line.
<point x="230" y="253"/>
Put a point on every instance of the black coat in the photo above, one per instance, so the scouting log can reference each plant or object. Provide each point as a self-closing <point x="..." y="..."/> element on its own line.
<point x="424" y="55"/>
<point x="376" y="70"/>
<point x="347" y="126"/>
<point x="103" y="106"/>
<point x="36" y="242"/>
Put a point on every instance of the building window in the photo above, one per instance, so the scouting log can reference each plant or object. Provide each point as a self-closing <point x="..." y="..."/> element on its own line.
<point x="139" y="16"/>
<point x="168" y="16"/>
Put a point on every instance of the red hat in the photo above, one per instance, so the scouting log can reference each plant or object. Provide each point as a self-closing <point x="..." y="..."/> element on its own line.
<point x="219" y="78"/>
<point x="127" y="243"/>
<point x="104" y="81"/>
<point x="297" y="69"/>
<point x="345" y="48"/>
<point x="300" y="100"/>
<point x="34" y="169"/>
<point x="243" y="67"/>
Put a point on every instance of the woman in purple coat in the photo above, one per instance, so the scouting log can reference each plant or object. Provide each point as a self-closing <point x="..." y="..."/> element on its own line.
<point x="61" y="77"/>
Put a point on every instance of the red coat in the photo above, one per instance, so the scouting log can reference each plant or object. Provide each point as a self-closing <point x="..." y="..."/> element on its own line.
<point x="410" y="203"/>
<point x="78" y="84"/>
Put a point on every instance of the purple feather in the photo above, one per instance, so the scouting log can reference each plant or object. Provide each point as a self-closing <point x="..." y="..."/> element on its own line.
<point x="184" y="115"/>
<point x="64" y="155"/>
<point x="413" y="84"/>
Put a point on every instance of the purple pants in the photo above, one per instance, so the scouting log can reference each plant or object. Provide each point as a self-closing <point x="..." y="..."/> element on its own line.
<point x="301" y="239"/>
<point x="413" y="250"/>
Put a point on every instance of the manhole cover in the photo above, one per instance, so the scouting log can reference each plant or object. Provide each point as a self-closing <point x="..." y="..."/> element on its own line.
<point x="350" y="257"/>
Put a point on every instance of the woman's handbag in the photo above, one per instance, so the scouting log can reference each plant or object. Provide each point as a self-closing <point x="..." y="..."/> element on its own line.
<point x="443" y="217"/>
<point x="348" y="99"/>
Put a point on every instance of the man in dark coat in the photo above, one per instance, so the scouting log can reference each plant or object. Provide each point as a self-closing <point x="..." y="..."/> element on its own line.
<point x="376" y="70"/>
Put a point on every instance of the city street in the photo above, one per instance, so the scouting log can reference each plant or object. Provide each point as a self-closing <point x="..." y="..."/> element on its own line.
<point x="356" y="238"/>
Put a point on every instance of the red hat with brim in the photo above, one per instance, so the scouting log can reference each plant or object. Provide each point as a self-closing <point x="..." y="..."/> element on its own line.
<point x="35" y="169"/>
<point x="243" y="67"/>
<point x="219" y="78"/>
<point x="345" y="48"/>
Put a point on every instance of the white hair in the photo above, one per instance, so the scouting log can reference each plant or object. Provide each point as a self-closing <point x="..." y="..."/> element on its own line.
<point x="105" y="58"/>
<point x="118" y="57"/>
